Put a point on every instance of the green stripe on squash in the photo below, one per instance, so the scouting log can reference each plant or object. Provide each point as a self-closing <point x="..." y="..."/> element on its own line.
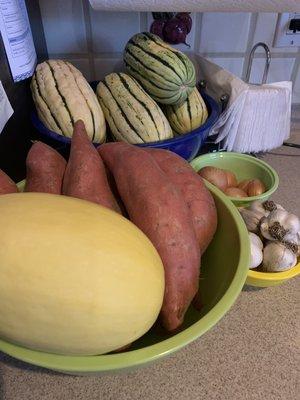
<point x="131" y="113"/>
<point x="165" y="73"/>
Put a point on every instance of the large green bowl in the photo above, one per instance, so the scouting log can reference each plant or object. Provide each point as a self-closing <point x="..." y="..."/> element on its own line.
<point x="244" y="167"/>
<point x="223" y="273"/>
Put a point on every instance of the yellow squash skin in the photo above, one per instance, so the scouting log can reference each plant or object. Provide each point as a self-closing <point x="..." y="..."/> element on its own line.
<point x="62" y="96"/>
<point x="189" y="115"/>
<point x="132" y="115"/>
<point x="75" y="278"/>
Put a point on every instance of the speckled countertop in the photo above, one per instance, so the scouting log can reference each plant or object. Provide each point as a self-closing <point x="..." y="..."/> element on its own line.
<point x="253" y="353"/>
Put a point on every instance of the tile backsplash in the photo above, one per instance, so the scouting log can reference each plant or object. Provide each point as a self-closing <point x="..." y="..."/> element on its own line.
<point x="94" y="40"/>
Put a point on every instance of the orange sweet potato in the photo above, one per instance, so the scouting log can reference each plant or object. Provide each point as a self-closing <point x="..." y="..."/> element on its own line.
<point x="45" y="169"/>
<point x="198" y="198"/>
<point x="85" y="176"/>
<point x="7" y="185"/>
<point x="158" y="208"/>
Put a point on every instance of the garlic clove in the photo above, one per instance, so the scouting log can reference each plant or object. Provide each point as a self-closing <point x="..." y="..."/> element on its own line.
<point x="265" y="207"/>
<point x="251" y="219"/>
<point x="293" y="241"/>
<point x="264" y="229"/>
<point x="255" y="239"/>
<point x="292" y="223"/>
<point x="277" y="257"/>
<point x="256" y="250"/>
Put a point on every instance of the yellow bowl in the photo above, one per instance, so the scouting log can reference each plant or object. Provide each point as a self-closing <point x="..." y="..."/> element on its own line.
<point x="266" y="279"/>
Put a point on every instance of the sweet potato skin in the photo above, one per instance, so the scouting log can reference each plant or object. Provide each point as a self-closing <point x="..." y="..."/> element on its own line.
<point x="7" y="185"/>
<point x="198" y="198"/>
<point x="157" y="207"/>
<point x="85" y="176"/>
<point x="114" y="190"/>
<point x="45" y="169"/>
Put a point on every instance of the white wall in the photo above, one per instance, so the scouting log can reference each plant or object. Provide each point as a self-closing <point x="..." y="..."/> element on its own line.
<point x="94" y="41"/>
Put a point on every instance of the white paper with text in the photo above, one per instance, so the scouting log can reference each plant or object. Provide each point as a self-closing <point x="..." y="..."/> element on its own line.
<point x="17" y="38"/>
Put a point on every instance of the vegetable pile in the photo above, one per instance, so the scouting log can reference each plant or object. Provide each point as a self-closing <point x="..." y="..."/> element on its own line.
<point x="274" y="236"/>
<point x="227" y="182"/>
<point x="156" y="99"/>
<point x="156" y="189"/>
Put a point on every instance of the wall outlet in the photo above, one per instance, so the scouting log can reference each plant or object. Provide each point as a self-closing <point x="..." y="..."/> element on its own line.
<point x="284" y="36"/>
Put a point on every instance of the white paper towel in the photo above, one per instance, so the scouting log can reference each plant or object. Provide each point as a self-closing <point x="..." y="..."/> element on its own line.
<point x="6" y="110"/>
<point x="197" y="5"/>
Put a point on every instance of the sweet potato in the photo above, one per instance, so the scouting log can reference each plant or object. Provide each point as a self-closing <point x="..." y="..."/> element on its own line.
<point x="198" y="198"/>
<point x="114" y="190"/>
<point x="7" y="185"/>
<point x="157" y="207"/>
<point x="45" y="169"/>
<point x="85" y="176"/>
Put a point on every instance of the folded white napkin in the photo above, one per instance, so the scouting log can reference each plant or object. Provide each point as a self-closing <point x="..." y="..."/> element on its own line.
<point x="257" y="117"/>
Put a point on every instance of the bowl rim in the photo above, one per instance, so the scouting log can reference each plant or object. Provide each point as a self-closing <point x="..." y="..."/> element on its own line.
<point x="230" y="154"/>
<point x="213" y="116"/>
<point x="275" y="276"/>
<point x="131" y="359"/>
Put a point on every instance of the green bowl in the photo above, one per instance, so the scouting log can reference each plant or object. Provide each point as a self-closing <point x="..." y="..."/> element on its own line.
<point x="244" y="167"/>
<point x="223" y="273"/>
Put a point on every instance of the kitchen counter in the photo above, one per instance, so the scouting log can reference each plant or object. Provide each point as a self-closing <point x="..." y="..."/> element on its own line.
<point x="253" y="353"/>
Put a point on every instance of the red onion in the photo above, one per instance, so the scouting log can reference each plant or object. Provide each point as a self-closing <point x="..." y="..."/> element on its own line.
<point x="185" y="17"/>
<point x="157" y="27"/>
<point x="175" y="31"/>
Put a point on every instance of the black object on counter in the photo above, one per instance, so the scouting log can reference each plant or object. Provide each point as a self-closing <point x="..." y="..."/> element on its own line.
<point x="15" y="139"/>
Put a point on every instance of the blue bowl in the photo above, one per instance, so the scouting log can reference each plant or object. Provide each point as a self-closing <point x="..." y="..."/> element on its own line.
<point x="187" y="145"/>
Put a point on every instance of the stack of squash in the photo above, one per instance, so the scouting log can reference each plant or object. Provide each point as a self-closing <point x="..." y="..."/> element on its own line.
<point x="154" y="100"/>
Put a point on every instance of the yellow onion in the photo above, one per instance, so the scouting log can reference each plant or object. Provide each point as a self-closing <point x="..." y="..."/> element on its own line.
<point x="235" y="192"/>
<point x="244" y="184"/>
<point x="231" y="178"/>
<point x="255" y="187"/>
<point x="214" y="175"/>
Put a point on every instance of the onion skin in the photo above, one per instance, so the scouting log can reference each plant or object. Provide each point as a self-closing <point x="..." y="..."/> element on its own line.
<point x="244" y="184"/>
<point x="255" y="188"/>
<point x="235" y="192"/>
<point x="231" y="178"/>
<point x="157" y="27"/>
<point x="186" y="18"/>
<point x="175" y="31"/>
<point x="214" y="175"/>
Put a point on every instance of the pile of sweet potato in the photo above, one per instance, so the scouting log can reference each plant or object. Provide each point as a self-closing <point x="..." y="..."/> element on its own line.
<point x="156" y="189"/>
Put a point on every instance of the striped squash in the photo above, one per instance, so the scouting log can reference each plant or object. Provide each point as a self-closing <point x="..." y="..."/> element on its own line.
<point x="189" y="115"/>
<point x="62" y="96"/>
<point x="164" y="72"/>
<point x="132" y="115"/>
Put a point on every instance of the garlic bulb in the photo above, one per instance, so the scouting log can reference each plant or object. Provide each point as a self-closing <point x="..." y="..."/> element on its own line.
<point x="280" y="225"/>
<point x="277" y="257"/>
<point x="294" y="243"/>
<point x="256" y="248"/>
<point x="265" y="207"/>
<point x="251" y="219"/>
